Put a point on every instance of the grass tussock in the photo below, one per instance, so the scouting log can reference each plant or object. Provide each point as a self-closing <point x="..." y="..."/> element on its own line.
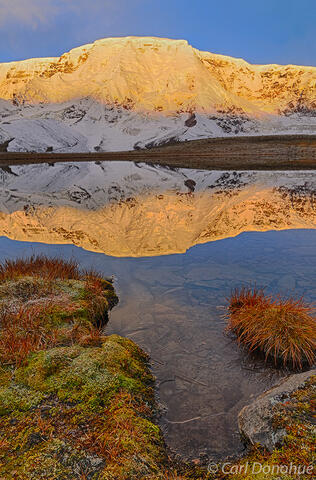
<point x="49" y="302"/>
<point x="40" y="265"/>
<point x="41" y="326"/>
<point x="284" y="330"/>
<point x="23" y="332"/>
<point x="74" y="403"/>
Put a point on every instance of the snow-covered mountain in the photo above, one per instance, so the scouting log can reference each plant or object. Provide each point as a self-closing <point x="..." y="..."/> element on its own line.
<point x="125" y="93"/>
<point x="123" y="209"/>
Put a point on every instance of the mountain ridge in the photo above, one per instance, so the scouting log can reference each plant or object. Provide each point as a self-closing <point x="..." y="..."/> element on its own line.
<point x="117" y="92"/>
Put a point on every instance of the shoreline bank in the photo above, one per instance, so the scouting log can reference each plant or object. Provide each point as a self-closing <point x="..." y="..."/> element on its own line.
<point x="277" y="152"/>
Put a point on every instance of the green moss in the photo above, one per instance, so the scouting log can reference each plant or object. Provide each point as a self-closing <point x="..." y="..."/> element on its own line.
<point x="106" y="392"/>
<point x="17" y="398"/>
<point x="5" y="375"/>
<point x="89" y="375"/>
<point x="52" y="459"/>
<point x="296" y="417"/>
<point x="82" y="406"/>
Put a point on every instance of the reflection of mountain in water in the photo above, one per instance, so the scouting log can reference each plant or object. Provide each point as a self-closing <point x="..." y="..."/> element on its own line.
<point x="128" y="210"/>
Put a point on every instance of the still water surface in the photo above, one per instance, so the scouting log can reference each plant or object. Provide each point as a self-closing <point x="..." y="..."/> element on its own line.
<point x="173" y="307"/>
<point x="173" y="303"/>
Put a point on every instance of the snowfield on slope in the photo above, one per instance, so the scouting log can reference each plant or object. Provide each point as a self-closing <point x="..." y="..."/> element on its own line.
<point x="130" y="93"/>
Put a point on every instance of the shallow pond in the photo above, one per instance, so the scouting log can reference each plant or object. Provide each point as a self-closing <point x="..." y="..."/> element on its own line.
<point x="173" y="305"/>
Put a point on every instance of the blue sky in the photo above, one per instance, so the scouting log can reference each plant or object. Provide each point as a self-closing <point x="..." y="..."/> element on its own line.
<point x="265" y="31"/>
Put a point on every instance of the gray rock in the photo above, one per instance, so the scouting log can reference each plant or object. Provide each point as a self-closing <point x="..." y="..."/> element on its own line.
<point x="255" y="420"/>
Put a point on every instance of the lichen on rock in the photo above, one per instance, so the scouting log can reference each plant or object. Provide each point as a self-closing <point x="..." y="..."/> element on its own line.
<point x="280" y="426"/>
<point x="256" y="420"/>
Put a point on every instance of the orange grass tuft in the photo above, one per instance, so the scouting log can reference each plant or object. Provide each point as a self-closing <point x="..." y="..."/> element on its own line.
<point x="23" y="332"/>
<point x="26" y="330"/>
<point x="282" y="329"/>
<point x="40" y="265"/>
<point x="30" y="327"/>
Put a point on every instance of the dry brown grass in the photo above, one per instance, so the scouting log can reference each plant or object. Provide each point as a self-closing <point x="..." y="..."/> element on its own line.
<point x="23" y="332"/>
<point x="36" y="315"/>
<point x="40" y="265"/>
<point x="282" y="329"/>
<point x="26" y="330"/>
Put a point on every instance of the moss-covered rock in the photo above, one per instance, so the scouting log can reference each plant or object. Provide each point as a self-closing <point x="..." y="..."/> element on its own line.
<point x="255" y="421"/>
<point x="93" y="404"/>
<point x="295" y="416"/>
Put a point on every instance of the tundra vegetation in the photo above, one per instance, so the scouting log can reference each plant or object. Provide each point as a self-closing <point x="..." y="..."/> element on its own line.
<point x="294" y="458"/>
<point x="73" y="402"/>
<point x="78" y="404"/>
<point x="283" y="330"/>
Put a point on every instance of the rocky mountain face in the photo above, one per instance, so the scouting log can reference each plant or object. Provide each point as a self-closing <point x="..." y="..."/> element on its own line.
<point x="278" y="89"/>
<point x="125" y="93"/>
<point x="146" y="211"/>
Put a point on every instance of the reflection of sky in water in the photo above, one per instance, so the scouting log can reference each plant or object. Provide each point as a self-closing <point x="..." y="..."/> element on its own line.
<point x="172" y="306"/>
